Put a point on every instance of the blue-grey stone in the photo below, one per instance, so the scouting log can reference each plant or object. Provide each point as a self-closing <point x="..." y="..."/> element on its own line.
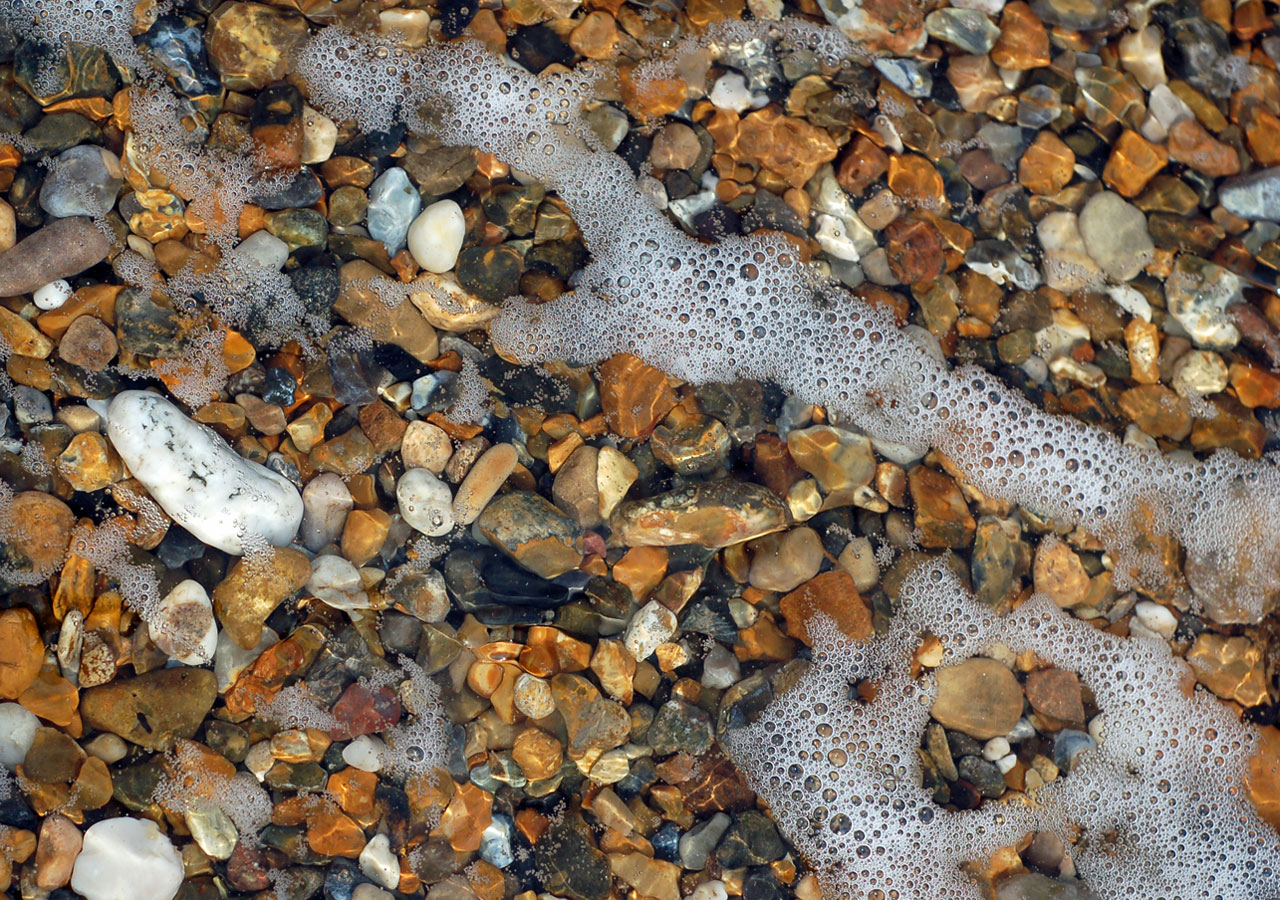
<point x="908" y="75"/>
<point x="1253" y="196"/>
<point x="495" y="842"/>
<point x="968" y="29"/>
<point x="84" y="182"/>
<point x="393" y="205"/>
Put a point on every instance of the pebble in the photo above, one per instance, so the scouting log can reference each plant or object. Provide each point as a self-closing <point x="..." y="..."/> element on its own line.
<point x="1156" y="618"/>
<point x="783" y="562"/>
<point x="17" y="732"/>
<point x="337" y="582"/>
<point x="712" y="514"/>
<point x="379" y="863"/>
<point x="1198" y="293"/>
<point x="532" y="532"/>
<point x="654" y="624"/>
<point x="52" y="295"/>
<point x="326" y="503"/>
<point x="217" y="495"/>
<point x="968" y="29"/>
<point x="63" y="248"/>
<point x="84" y="181"/>
<point x="425" y="502"/>
<point x="183" y="625"/>
<point x="435" y="236"/>
<point x="264" y="249"/>
<point x="1255" y="195"/>
<point x="424" y="446"/>
<point x="487" y="474"/>
<point x="125" y="857"/>
<point x="1115" y="235"/>
<point x="152" y="709"/>
<point x="254" y="588"/>
<point x="393" y="206"/>
<point x="979" y="697"/>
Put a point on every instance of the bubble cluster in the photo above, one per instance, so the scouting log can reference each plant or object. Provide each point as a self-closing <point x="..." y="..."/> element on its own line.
<point x="1155" y="810"/>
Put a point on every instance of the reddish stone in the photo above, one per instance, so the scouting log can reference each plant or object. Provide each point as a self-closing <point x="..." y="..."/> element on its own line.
<point x="363" y="711"/>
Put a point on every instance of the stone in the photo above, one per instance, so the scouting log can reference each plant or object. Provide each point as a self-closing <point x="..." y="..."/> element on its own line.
<point x="1115" y="235"/>
<point x="402" y="324"/>
<point x="204" y="485"/>
<point x="651" y="626"/>
<point x="337" y="582"/>
<point x="394" y="205"/>
<point x="18" y="727"/>
<point x="152" y="709"/>
<point x="712" y="514"/>
<point x="968" y="29"/>
<point x="676" y="146"/>
<point x="1134" y="161"/>
<point x="895" y="27"/>
<point x="1023" y="42"/>
<point x="53" y="295"/>
<point x="840" y="460"/>
<point x="1198" y="293"/>
<point x="791" y="147"/>
<point x="89" y="463"/>
<point x="532" y="532"/>
<point x="252" y="589"/>
<point x="1059" y="574"/>
<point x="435" y="236"/>
<point x="1055" y="695"/>
<point x="656" y="878"/>
<point x="834" y="595"/>
<point x="84" y="181"/>
<point x="1231" y="667"/>
<point x="21" y="652"/>
<point x="538" y="753"/>
<point x="942" y="516"/>
<point x="326" y="504"/>
<point x="425" y="446"/>
<point x="1255" y="195"/>
<point x="379" y="863"/>
<point x="127" y="857"/>
<point x="680" y="727"/>
<point x="635" y="396"/>
<point x="425" y="502"/>
<point x="994" y="564"/>
<point x="615" y="474"/>
<point x="59" y="845"/>
<point x="183" y="625"/>
<point x="1036" y="886"/>
<point x="576" y="487"/>
<point x="593" y="723"/>
<point x="251" y="45"/>
<point x="979" y="697"/>
<point x="1190" y="144"/>
<point x="570" y="864"/>
<point x="1068" y="267"/>
<point x="1262" y="777"/>
<point x="783" y="561"/>
<point x="486" y="475"/>
<point x="88" y="343"/>
<point x="63" y="248"/>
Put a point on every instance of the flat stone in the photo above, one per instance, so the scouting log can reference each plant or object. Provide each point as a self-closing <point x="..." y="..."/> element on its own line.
<point x="1059" y="573"/>
<point x="63" y="248"/>
<point x="783" y="561"/>
<point x="1231" y="667"/>
<point x="593" y="722"/>
<point x="942" y="516"/>
<point x="1253" y="196"/>
<point x="253" y="589"/>
<point x="979" y="697"/>
<point x="712" y="514"/>
<point x="1115" y="234"/>
<point x="37" y="530"/>
<point x="532" y="532"/>
<point x="1055" y="695"/>
<point x="151" y="710"/>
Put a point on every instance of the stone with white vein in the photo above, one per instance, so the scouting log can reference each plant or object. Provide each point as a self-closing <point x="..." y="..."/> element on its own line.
<point x="226" y="501"/>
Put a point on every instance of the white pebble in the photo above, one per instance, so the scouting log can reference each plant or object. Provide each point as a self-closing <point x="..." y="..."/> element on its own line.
<point x="654" y="624"/>
<point x="1097" y="728"/>
<point x="183" y="625"/>
<point x="127" y="859"/>
<point x="435" y="237"/>
<point x="710" y="890"/>
<point x="259" y="759"/>
<point x="337" y="582"/>
<point x="1156" y="618"/>
<point x="994" y="749"/>
<point x="1007" y="762"/>
<point x="378" y="863"/>
<point x="326" y="503"/>
<point x="425" y="446"/>
<point x="425" y="502"/>
<point x="226" y="501"/>
<point x="364" y="753"/>
<point x="731" y="92"/>
<point x="265" y="249"/>
<point x="17" y="730"/>
<point x="1023" y="730"/>
<point x="319" y="136"/>
<point x="52" y="295"/>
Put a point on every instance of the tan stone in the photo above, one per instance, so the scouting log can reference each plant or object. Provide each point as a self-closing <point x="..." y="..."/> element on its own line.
<point x="1231" y="667"/>
<point x="979" y="697"/>
<point x="253" y="589"/>
<point x="1059" y="574"/>
<point x="942" y="517"/>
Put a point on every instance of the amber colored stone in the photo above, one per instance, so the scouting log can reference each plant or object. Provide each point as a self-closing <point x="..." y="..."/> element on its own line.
<point x="791" y="147"/>
<point x="650" y="98"/>
<point x="1134" y="161"/>
<point x="466" y="817"/>
<point x="704" y="12"/>
<point x="51" y="697"/>
<point x="364" y="533"/>
<point x="1262" y="134"/>
<point x="537" y="753"/>
<point x="917" y="182"/>
<point x="641" y="569"/>
<point x="716" y="785"/>
<point x="331" y="833"/>
<point x="1047" y="165"/>
<point x="764" y="641"/>
<point x="1233" y="426"/>
<point x="1190" y="144"/>
<point x="251" y="591"/>
<point x="1023" y="42"/>
<point x="21" y="652"/>
<point x="596" y="36"/>
<point x="92" y="787"/>
<point x="1262" y="778"/>
<point x="1231" y="667"/>
<point x="832" y="594"/>
<point x="1255" y="386"/>
<point x="862" y="164"/>
<point x="354" y="791"/>
<point x="635" y="396"/>
<point x="570" y="654"/>
<point x="75" y="587"/>
<point x="90" y="463"/>
<point x="942" y="517"/>
<point x="915" y="250"/>
<point x="268" y="673"/>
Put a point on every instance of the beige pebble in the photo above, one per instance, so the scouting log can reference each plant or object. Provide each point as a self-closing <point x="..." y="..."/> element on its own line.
<point x="426" y="446"/>
<point x="483" y="481"/>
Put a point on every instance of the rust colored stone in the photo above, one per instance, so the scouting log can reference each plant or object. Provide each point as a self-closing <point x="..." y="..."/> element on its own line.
<point x="832" y="594"/>
<point x="942" y="516"/>
<point x="1133" y="162"/>
<point x="1190" y="144"/>
<point x="1023" y="42"/>
<point x="862" y="165"/>
<point x="915" y="250"/>
<point x="1047" y="166"/>
<point x="1055" y="695"/>
<point x="466" y="817"/>
<point x="791" y="147"/>
<point x="917" y="182"/>
<point x="635" y="396"/>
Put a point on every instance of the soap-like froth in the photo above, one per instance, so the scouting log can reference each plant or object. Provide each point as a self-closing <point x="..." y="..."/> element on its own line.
<point x="206" y="487"/>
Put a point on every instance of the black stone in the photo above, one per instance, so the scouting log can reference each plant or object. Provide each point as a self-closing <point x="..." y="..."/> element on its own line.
<point x="537" y="47"/>
<point x="491" y="273"/>
<point x="456" y="15"/>
<point x="983" y="775"/>
<point x="279" y="104"/>
<point x="318" y="287"/>
<point x="570" y="864"/>
<point x="716" y="223"/>
<point x="680" y="726"/>
<point x="279" y="387"/>
<point x="302" y="190"/>
<point x="762" y="884"/>
<point x="752" y="840"/>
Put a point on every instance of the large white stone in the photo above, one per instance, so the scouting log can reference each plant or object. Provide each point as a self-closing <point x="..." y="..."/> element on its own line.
<point x="205" y="486"/>
<point x="425" y="502"/>
<point x="17" y="731"/>
<point x="183" y="625"/>
<point x="127" y="859"/>
<point x="379" y="863"/>
<point x="435" y="237"/>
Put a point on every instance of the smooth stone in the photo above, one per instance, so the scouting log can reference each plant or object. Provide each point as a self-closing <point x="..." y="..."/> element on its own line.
<point x="979" y="697"/>
<point x="532" y="532"/>
<point x="783" y="562"/>
<point x="436" y="235"/>
<point x="153" y="709"/>
<point x="1253" y="196"/>
<point x="319" y="136"/>
<point x="968" y="29"/>
<point x="52" y="295"/>
<point x="336" y="582"/>
<point x="264" y="249"/>
<point x="17" y="732"/>
<point x="699" y="842"/>
<point x="712" y="514"/>
<point x="63" y="248"/>
<point x="378" y="863"/>
<point x="325" y="504"/>
<point x="230" y="659"/>
<point x="652" y="625"/>
<point x="425" y="446"/>
<point x="224" y="500"/>
<point x="127" y="858"/>
<point x="908" y="75"/>
<point x="393" y="205"/>
<point x="1067" y="265"/>
<point x="486" y="476"/>
<point x="425" y="502"/>
<point x="253" y="588"/>
<point x="84" y="182"/>
<point x="1198" y="293"/>
<point x="1115" y="234"/>
<point x="183" y="625"/>
<point x="1035" y="886"/>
